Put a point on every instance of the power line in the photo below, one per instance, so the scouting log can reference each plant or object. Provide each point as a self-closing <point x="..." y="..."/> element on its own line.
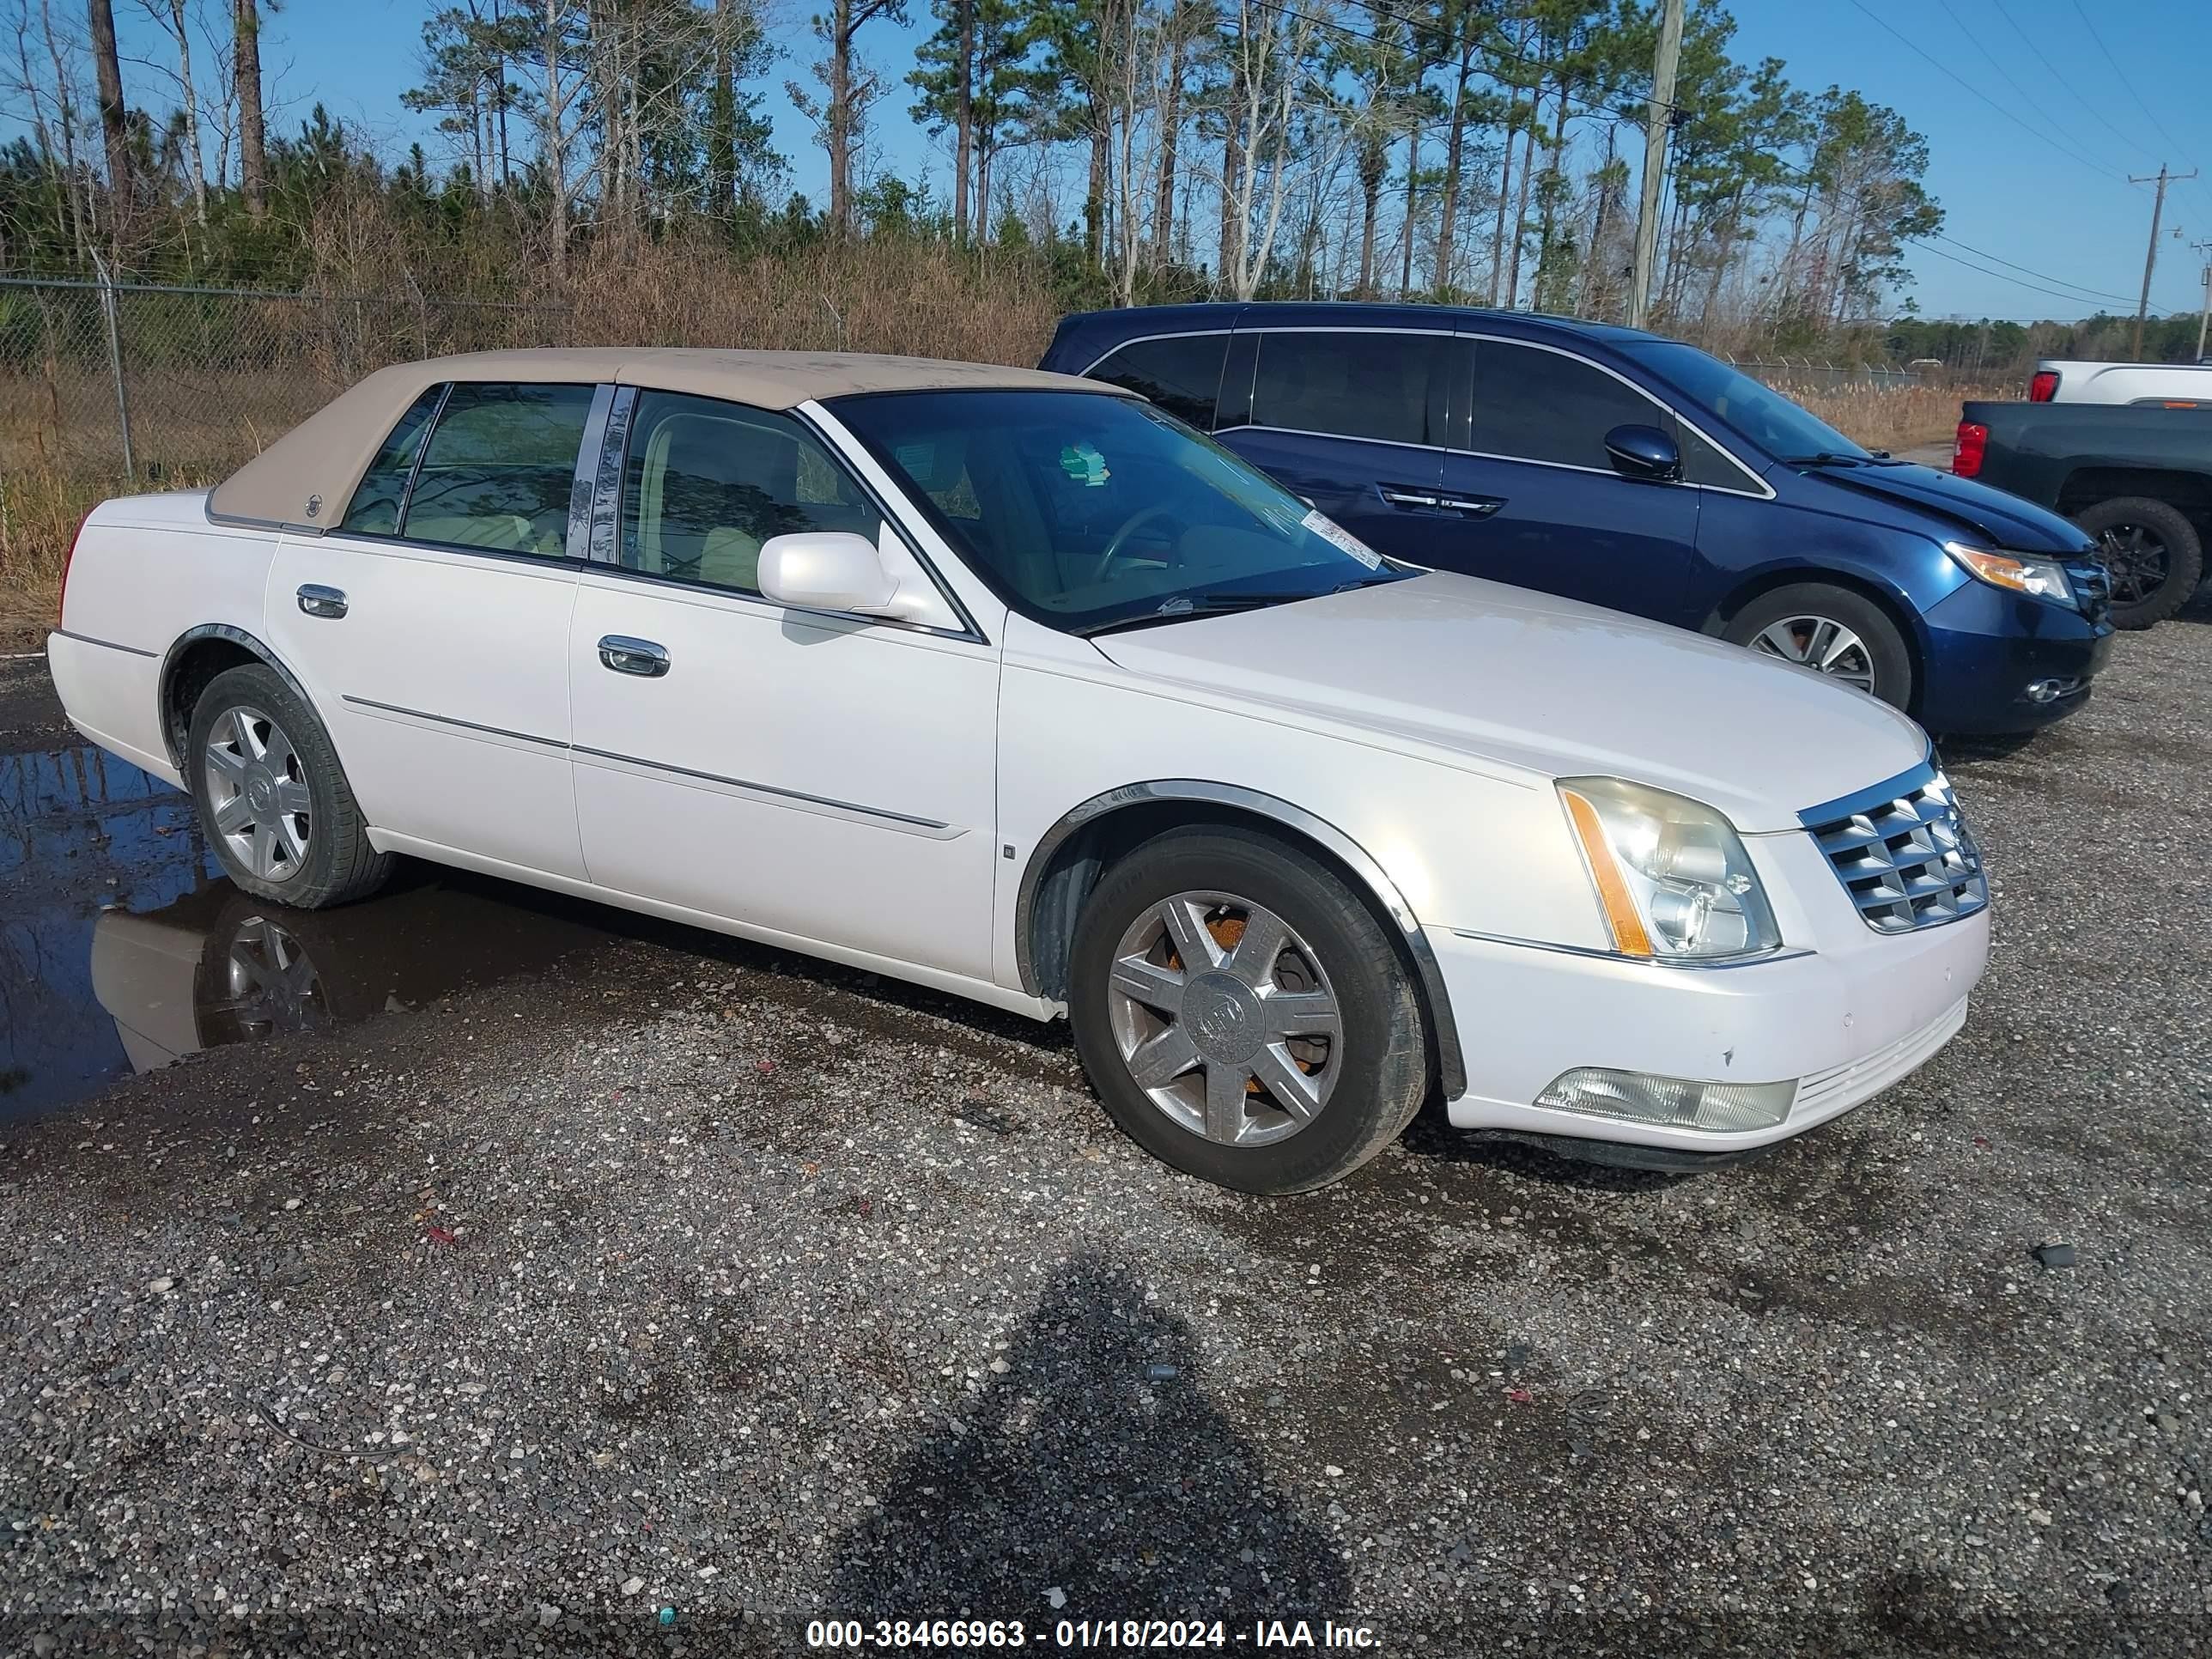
<point x="2060" y="78"/>
<point x="2026" y="97"/>
<point x="1929" y="247"/>
<point x="2092" y="293"/>
<point x="1953" y="75"/>
<point x="2151" y="115"/>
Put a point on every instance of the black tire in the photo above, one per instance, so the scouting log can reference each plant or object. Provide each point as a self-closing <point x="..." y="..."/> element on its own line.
<point x="1885" y="653"/>
<point x="338" y="864"/>
<point x="2151" y="553"/>
<point x="1379" y="1061"/>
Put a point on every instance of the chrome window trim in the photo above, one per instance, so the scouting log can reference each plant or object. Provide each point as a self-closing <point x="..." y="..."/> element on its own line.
<point x="1146" y="339"/>
<point x="1761" y="487"/>
<point x="605" y="546"/>
<point x="583" y="485"/>
<point x="1452" y="1063"/>
<point x="697" y="589"/>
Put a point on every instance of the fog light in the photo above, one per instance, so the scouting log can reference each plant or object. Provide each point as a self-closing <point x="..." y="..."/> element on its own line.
<point x="1670" y="1103"/>
<point x="2045" y="691"/>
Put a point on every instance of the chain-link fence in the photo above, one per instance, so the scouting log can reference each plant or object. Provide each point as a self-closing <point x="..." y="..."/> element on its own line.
<point x="157" y="385"/>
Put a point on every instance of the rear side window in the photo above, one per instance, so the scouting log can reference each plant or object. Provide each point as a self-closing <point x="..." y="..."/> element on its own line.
<point x="382" y="491"/>
<point x="706" y="483"/>
<point x="1355" y="384"/>
<point x="1181" y="374"/>
<point x="498" y="469"/>
<point x="1544" y="406"/>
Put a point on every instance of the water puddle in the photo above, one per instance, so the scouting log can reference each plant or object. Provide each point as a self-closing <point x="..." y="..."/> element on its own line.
<point x="121" y="949"/>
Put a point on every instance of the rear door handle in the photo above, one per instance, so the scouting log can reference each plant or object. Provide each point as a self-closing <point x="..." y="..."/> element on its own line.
<point x="1473" y="507"/>
<point x="628" y="656"/>
<point x="316" y="600"/>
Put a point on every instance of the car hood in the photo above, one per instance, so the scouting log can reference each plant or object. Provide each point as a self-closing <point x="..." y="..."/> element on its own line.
<point x="1996" y="519"/>
<point x="1524" y="680"/>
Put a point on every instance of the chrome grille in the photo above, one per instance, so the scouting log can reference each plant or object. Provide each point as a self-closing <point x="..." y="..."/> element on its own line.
<point x="1903" y="853"/>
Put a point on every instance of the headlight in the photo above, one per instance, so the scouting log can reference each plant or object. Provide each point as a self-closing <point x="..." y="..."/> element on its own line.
<point x="1673" y="880"/>
<point x="2044" y="578"/>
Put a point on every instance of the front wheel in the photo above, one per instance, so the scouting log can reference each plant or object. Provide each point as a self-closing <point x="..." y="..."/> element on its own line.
<point x="1242" y="1014"/>
<point x="273" y="801"/>
<point x="1843" y="635"/>
<point x="2152" y="556"/>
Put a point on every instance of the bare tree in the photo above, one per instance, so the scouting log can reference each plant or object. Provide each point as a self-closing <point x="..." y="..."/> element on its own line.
<point x="252" y="153"/>
<point x="1284" y="116"/>
<point x="171" y="16"/>
<point x="848" y="88"/>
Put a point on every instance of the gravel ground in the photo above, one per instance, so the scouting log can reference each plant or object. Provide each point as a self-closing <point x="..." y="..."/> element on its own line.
<point x="678" y="1276"/>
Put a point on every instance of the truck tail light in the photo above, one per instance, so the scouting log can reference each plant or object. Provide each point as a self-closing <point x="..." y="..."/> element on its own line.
<point x="2044" y="386"/>
<point x="61" y="608"/>
<point x="1966" y="451"/>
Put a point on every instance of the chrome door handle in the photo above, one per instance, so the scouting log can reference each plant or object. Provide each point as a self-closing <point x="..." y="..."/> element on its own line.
<point x="628" y="656"/>
<point x="1474" y="507"/>
<point x="316" y="600"/>
<point x="1407" y="497"/>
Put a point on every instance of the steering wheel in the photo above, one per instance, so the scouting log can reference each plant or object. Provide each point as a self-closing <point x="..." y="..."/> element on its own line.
<point x="1119" y="539"/>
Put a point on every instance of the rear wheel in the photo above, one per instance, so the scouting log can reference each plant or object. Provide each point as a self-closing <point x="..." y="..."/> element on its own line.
<point x="273" y="801"/>
<point x="1841" y="634"/>
<point x="1242" y="1014"/>
<point x="2151" y="553"/>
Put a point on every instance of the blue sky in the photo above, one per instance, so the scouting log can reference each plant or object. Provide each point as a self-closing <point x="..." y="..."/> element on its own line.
<point x="2013" y="194"/>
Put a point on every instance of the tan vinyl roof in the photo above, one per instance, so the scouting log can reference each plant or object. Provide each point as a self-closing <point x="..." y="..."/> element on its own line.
<point x="303" y="480"/>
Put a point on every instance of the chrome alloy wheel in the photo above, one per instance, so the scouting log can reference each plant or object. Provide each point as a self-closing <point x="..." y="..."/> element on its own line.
<point x="258" y="791"/>
<point x="1818" y="642"/>
<point x="268" y="983"/>
<point x="1226" y="1018"/>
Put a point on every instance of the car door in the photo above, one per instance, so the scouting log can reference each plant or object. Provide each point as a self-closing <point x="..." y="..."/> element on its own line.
<point x="430" y="625"/>
<point x="824" y="776"/>
<point x="1537" y="503"/>
<point x="1349" y="419"/>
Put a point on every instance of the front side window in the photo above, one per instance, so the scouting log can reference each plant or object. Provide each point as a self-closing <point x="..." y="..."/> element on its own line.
<point x="1086" y="511"/>
<point x="1776" y="424"/>
<point x="499" y="468"/>
<point x="1181" y="374"/>
<point x="707" y="483"/>
<point x="382" y="492"/>
<point x="1536" y="405"/>
<point x="1352" y="383"/>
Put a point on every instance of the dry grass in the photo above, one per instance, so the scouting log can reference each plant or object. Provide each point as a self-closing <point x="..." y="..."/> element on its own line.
<point x="209" y="387"/>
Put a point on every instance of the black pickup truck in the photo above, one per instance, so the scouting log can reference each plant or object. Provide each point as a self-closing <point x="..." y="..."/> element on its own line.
<point x="2138" y="478"/>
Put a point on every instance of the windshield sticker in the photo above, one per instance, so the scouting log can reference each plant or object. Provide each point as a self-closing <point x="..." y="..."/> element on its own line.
<point x="1083" y="464"/>
<point x="1338" y="537"/>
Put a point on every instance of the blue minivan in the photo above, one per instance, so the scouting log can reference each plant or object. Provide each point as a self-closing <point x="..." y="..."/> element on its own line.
<point x="1614" y="466"/>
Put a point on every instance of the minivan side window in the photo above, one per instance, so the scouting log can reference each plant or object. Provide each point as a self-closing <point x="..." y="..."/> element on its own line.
<point x="382" y="492"/>
<point x="1351" y="383"/>
<point x="706" y="483"/>
<point x="498" y="469"/>
<point x="1182" y="374"/>
<point x="1536" y="405"/>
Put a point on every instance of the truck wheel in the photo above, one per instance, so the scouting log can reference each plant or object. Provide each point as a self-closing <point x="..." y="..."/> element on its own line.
<point x="272" y="800"/>
<point x="1242" y="1016"/>
<point x="2151" y="553"/>
<point x="1845" y="635"/>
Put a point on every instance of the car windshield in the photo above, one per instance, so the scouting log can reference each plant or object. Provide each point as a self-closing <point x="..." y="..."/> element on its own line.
<point x="1782" y="429"/>
<point x="1086" y="511"/>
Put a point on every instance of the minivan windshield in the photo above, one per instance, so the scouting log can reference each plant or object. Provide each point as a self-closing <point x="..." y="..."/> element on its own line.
<point x="1785" y="431"/>
<point x="1088" y="511"/>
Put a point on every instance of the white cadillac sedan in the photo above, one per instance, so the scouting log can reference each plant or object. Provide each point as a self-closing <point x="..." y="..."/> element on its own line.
<point x="1006" y="684"/>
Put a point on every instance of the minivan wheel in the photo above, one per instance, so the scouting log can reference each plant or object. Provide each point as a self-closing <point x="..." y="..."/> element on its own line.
<point x="1242" y="1014"/>
<point x="1844" y="636"/>
<point x="273" y="802"/>
<point x="2151" y="553"/>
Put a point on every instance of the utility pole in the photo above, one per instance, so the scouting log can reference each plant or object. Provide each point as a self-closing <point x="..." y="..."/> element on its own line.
<point x="2150" y="258"/>
<point x="2204" y="318"/>
<point x="1656" y="124"/>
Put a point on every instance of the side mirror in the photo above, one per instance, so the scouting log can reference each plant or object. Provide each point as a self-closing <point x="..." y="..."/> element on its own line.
<point x="826" y="570"/>
<point x="1644" y="453"/>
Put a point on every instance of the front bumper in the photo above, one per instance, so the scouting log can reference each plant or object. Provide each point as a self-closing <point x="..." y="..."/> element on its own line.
<point x="1987" y="648"/>
<point x="1847" y="1022"/>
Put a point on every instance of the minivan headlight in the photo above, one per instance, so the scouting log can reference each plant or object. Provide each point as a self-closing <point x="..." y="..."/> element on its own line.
<point x="2043" y="579"/>
<point x="1674" y="882"/>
